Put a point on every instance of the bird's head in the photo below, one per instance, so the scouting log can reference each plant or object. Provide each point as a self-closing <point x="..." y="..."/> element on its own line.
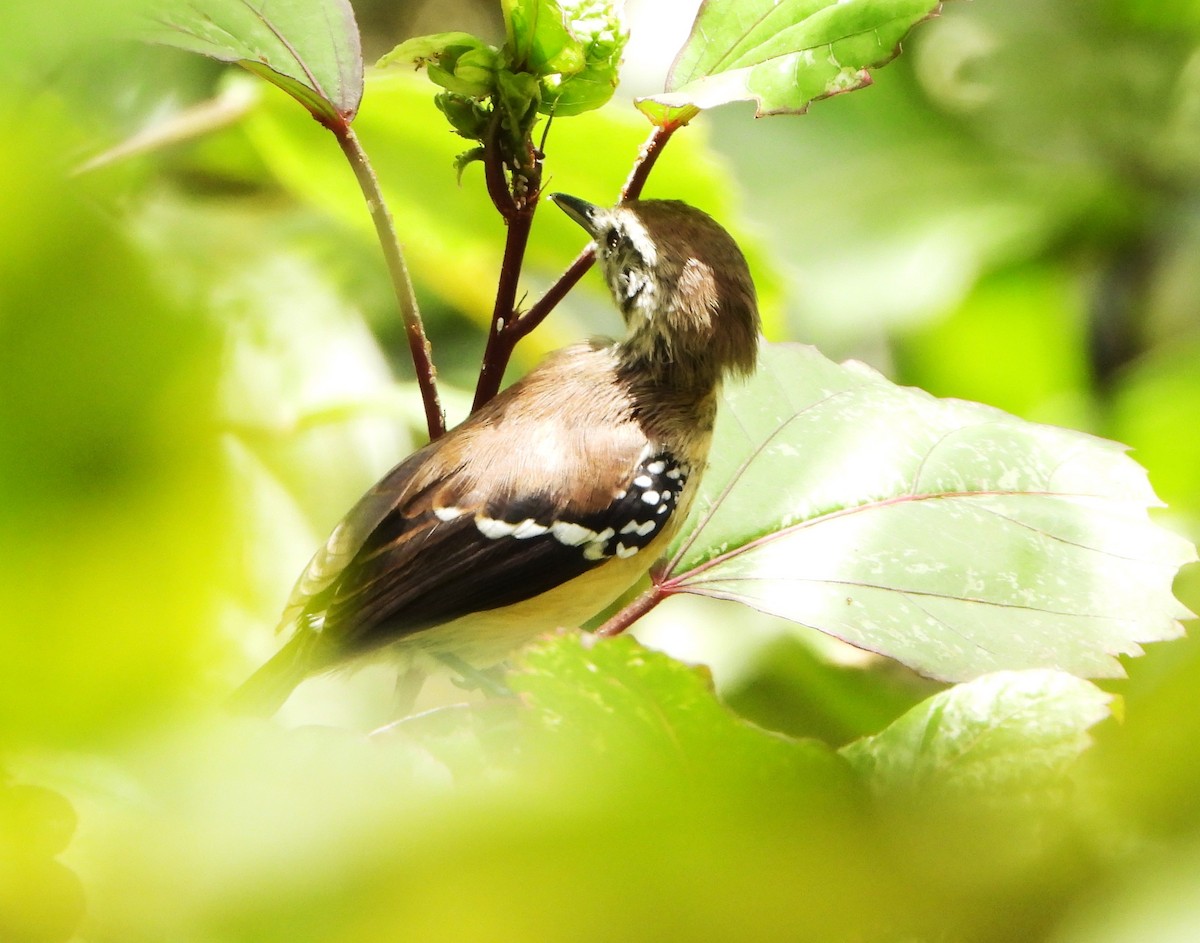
<point x="682" y="285"/>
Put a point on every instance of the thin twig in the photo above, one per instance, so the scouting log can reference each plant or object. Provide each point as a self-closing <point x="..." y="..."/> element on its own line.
<point x="647" y="157"/>
<point x="493" y="172"/>
<point x="508" y="326"/>
<point x="516" y="203"/>
<point x="549" y="301"/>
<point x="385" y="229"/>
<point x="498" y="348"/>
<point x="634" y="184"/>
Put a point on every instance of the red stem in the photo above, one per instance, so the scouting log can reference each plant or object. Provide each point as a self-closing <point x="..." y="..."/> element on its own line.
<point x="499" y="348"/>
<point x="627" y="616"/>
<point x="647" y="158"/>
<point x="385" y="229"/>
<point x="493" y="173"/>
<point x="549" y="301"/>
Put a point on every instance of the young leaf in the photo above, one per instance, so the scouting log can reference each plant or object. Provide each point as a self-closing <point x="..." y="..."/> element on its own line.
<point x="574" y="47"/>
<point x="948" y="535"/>
<point x="1004" y="733"/>
<point x="309" y="48"/>
<point x="783" y="54"/>
<point x="602" y="36"/>
<point x="456" y="61"/>
<point x="539" y="38"/>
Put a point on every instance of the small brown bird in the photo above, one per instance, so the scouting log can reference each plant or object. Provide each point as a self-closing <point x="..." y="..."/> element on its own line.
<point x="558" y="495"/>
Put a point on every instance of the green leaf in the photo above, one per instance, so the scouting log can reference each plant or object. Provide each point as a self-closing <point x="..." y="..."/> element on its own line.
<point x="518" y="95"/>
<point x="456" y="61"/>
<point x="539" y="38"/>
<point x="784" y="54"/>
<point x="1004" y="733"/>
<point x="599" y="28"/>
<point x="421" y="50"/>
<point x="309" y="48"/>
<point x="108" y="446"/>
<point x="948" y="535"/>
<point x="618" y="698"/>
<point x="1157" y="397"/>
<point x="574" y="48"/>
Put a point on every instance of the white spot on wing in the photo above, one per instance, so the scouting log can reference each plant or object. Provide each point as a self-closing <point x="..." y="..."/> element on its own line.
<point x="643" y="481"/>
<point x="493" y="529"/>
<point x="570" y="534"/>
<point x="625" y="552"/>
<point x="650" y="497"/>
<point x="447" y="514"/>
<point x="529" y="528"/>
<point x="594" y="550"/>
<point x="657" y="468"/>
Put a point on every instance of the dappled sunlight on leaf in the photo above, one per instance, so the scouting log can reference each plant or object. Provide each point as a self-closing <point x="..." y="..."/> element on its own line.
<point x="948" y="535"/>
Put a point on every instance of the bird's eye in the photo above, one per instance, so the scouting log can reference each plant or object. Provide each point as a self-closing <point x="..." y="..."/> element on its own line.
<point x="612" y="240"/>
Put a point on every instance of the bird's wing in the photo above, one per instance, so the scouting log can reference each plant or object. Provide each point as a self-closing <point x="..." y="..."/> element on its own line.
<point x="437" y="556"/>
<point x="441" y="537"/>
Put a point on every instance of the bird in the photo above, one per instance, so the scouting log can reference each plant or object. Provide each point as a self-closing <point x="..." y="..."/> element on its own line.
<point x="551" y="500"/>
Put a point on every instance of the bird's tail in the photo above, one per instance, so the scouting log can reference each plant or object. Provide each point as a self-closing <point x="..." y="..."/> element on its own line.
<point x="265" y="691"/>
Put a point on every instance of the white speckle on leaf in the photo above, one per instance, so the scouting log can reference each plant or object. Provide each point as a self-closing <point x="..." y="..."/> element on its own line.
<point x="1009" y="481"/>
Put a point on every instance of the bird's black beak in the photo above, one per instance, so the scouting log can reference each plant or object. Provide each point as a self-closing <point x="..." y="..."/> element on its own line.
<point x="579" y="210"/>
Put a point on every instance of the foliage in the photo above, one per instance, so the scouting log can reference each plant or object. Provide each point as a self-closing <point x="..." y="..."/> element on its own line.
<point x="310" y="50"/>
<point x="785" y="55"/>
<point x="979" y="542"/>
<point x="190" y="399"/>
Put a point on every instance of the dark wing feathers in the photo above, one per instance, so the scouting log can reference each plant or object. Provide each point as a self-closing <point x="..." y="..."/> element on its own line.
<point x="442" y="570"/>
<point x="482" y="518"/>
<point x="416" y="570"/>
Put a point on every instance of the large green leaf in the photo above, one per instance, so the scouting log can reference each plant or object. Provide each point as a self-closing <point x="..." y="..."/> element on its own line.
<point x="951" y="536"/>
<point x="1004" y="733"/>
<point x="309" y="48"/>
<point x="783" y="54"/>
<point x="649" y="710"/>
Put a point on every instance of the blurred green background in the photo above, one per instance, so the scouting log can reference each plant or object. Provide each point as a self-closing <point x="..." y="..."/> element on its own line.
<point x="201" y="368"/>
